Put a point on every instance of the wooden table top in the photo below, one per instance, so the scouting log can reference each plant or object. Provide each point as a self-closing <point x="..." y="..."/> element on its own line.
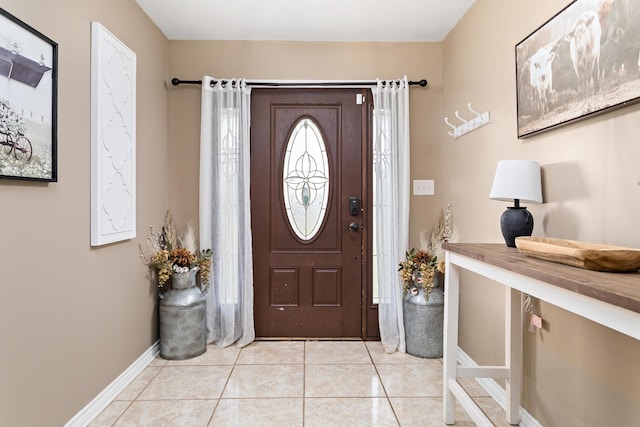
<point x="620" y="289"/>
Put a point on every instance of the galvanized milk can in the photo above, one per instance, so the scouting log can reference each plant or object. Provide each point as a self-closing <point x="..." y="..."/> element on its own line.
<point x="424" y="321"/>
<point x="182" y="318"/>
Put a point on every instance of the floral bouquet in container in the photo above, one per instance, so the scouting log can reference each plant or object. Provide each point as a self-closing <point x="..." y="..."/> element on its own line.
<point x="172" y="254"/>
<point x="417" y="271"/>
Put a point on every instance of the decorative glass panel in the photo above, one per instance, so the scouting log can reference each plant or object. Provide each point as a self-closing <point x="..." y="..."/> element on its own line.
<point x="381" y="205"/>
<point x="305" y="179"/>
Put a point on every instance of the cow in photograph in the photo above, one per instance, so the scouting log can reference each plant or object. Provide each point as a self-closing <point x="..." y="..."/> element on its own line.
<point x="565" y="81"/>
<point x="631" y="41"/>
<point x="620" y="42"/>
<point x="611" y="23"/>
<point x="584" y="44"/>
<point x="526" y="93"/>
<point x="541" y="78"/>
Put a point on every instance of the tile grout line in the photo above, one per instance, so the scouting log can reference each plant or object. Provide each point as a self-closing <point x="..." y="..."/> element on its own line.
<point x="137" y="398"/>
<point x="233" y="367"/>
<point x="375" y="367"/>
<point x="304" y="380"/>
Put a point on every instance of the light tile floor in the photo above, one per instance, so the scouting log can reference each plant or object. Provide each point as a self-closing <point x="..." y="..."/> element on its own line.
<point x="291" y="383"/>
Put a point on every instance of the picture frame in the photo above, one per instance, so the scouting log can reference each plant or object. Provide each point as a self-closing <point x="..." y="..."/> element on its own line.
<point x="582" y="62"/>
<point x="28" y="102"/>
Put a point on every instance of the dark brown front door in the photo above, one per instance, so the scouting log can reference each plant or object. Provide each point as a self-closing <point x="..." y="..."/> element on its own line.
<point x="306" y="185"/>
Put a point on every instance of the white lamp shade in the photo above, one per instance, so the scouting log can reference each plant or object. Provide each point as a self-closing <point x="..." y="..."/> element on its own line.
<point x="517" y="179"/>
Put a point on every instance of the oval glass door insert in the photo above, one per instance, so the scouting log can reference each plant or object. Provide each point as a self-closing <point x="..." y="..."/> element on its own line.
<point x="305" y="179"/>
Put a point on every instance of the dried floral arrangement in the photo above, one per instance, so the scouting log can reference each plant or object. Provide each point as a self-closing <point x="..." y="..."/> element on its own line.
<point x="418" y="268"/>
<point x="442" y="232"/>
<point x="172" y="254"/>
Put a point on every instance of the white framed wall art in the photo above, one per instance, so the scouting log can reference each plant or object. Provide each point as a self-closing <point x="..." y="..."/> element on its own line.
<point x="113" y="138"/>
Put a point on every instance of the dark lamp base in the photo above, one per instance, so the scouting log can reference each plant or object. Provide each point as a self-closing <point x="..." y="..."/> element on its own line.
<point x="515" y="222"/>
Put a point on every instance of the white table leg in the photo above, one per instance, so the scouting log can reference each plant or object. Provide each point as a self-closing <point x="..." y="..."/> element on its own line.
<point x="450" y="350"/>
<point x="513" y="352"/>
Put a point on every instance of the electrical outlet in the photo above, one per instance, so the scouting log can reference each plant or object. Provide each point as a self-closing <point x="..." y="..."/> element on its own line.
<point x="423" y="187"/>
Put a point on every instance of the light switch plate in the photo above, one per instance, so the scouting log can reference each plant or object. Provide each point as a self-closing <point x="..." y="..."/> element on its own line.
<point x="423" y="187"/>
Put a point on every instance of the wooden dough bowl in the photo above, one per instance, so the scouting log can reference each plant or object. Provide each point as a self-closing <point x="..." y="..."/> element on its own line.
<point x="590" y="256"/>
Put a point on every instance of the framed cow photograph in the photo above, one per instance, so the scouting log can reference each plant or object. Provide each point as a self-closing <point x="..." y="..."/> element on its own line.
<point x="583" y="61"/>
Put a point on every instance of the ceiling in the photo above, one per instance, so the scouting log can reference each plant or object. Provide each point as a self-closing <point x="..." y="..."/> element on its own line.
<point x="306" y="20"/>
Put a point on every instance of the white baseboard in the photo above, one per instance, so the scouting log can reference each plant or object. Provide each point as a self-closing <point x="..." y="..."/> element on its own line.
<point x="101" y="401"/>
<point x="498" y="394"/>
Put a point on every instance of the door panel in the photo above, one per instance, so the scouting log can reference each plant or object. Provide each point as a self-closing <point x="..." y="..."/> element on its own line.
<point x="306" y="287"/>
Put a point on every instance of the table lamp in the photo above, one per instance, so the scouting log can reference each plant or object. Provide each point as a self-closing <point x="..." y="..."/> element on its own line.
<point x="517" y="180"/>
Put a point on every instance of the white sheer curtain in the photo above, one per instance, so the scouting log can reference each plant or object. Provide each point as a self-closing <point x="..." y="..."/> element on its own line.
<point x="225" y="214"/>
<point x="390" y="204"/>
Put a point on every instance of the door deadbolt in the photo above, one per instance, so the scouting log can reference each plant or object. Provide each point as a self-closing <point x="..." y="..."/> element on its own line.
<point x="354" y="206"/>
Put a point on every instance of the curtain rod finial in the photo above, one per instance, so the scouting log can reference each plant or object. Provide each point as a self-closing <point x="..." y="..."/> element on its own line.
<point x="175" y="81"/>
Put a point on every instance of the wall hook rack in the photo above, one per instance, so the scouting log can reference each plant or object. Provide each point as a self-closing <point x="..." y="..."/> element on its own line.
<point x="467" y="125"/>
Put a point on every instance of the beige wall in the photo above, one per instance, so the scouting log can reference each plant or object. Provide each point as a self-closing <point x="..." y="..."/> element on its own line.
<point x="72" y="317"/>
<point x="298" y="60"/>
<point x="576" y="373"/>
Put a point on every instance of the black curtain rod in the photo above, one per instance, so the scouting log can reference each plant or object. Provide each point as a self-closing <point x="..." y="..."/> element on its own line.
<point x="175" y="81"/>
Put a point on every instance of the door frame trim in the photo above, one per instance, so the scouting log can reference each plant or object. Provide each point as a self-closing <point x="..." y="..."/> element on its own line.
<point x="370" y="328"/>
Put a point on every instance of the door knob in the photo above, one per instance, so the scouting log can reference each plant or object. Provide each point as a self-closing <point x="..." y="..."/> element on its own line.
<point x="353" y="226"/>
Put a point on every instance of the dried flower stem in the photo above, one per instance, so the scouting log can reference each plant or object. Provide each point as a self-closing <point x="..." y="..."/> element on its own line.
<point x="169" y="232"/>
<point x="188" y="240"/>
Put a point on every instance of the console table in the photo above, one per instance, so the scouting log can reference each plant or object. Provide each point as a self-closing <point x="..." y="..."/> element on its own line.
<point x="611" y="299"/>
